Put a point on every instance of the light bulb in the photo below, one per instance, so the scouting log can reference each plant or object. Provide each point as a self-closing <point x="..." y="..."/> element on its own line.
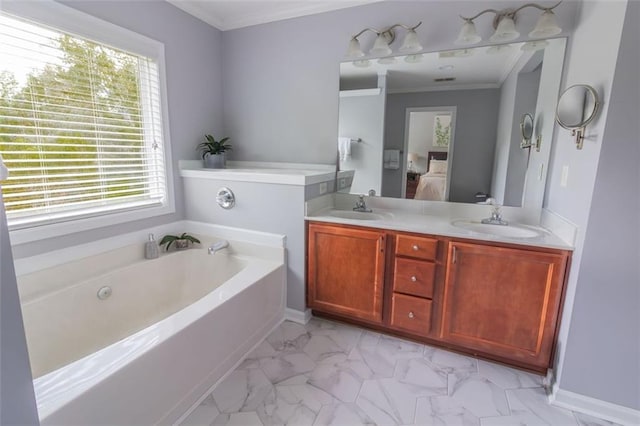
<point x="354" y="50"/>
<point x="506" y="30"/>
<point x="468" y="34"/>
<point x="546" y="26"/>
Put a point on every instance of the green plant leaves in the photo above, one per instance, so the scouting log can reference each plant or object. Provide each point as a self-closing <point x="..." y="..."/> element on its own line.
<point x="212" y="146"/>
<point x="170" y="239"/>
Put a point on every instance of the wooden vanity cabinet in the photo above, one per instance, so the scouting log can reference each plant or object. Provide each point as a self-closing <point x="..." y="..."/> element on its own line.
<point x="498" y="301"/>
<point x="503" y="302"/>
<point x="345" y="272"/>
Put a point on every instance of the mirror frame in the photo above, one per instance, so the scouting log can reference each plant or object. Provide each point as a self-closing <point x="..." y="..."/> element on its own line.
<point x="526" y="137"/>
<point x="578" y="129"/>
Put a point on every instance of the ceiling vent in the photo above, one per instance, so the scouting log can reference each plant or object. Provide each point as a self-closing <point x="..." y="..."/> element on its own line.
<point x="439" y="80"/>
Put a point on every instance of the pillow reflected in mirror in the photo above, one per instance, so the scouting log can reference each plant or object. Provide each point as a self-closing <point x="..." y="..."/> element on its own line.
<point x="438" y="167"/>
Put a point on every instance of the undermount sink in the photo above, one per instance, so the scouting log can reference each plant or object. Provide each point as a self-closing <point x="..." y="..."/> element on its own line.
<point x="510" y="231"/>
<point x="350" y="214"/>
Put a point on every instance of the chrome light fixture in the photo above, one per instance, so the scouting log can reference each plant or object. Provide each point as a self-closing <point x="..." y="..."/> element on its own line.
<point x="384" y="37"/>
<point x="504" y="23"/>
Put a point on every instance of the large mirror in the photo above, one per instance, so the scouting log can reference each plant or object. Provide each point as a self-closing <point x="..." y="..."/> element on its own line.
<point x="445" y="126"/>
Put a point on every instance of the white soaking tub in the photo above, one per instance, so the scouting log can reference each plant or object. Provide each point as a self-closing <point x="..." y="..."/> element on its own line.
<point x="167" y="330"/>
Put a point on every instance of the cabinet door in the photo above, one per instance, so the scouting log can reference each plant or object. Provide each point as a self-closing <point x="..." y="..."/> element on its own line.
<point x="346" y="271"/>
<point x="503" y="301"/>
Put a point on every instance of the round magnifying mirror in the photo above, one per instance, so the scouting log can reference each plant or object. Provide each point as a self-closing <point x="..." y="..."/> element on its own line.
<point x="577" y="106"/>
<point x="526" y="128"/>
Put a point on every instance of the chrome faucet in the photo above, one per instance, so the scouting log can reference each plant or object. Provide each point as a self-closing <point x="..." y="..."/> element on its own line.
<point x="361" y="206"/>
<point x="496" y="214"/>
<point x="216" y="247"/>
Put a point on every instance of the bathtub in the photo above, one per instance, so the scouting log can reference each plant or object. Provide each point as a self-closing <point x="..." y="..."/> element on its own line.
<point x="117" y="339"/>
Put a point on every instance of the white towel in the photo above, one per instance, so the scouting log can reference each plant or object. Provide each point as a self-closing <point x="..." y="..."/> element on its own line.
<point x="391" y="159"/>
<point x="344" y="148"/>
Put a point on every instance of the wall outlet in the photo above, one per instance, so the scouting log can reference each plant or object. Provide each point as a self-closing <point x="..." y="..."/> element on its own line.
<point x="323" y="188"/>
<point x="564" y="177"/>
<point x="541" y="172"/>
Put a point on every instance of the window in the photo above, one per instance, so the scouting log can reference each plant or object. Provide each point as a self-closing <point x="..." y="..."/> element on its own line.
<point x="81" y="126"/>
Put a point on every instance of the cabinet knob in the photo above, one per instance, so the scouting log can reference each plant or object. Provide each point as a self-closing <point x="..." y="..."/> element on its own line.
<point x="414" y="279"/>
<point x="411" y="315"/>
<point x="415" y="247"/>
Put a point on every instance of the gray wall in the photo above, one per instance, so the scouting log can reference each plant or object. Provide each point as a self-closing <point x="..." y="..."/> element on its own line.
<point x="262" y="207"/>
<point x="281" y="79"/>
<point x="474" y="138"/>
<point x="603" y="349"/>
<point x="192" y="56"/>
<point x="362" y="117"/>
<point x="17" y="400"/>
<point x="591" y="59"/>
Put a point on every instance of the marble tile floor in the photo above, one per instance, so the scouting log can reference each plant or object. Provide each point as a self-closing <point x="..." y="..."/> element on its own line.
<point x="328" y="373"/>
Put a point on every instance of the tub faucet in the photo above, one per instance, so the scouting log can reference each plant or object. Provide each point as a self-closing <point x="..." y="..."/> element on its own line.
<point x="216" y="247"/>
<point x="496" y="214"/>
<point x="361" y="206"/>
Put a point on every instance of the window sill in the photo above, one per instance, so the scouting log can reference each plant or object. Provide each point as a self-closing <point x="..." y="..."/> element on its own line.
<point x="57" y="229"/>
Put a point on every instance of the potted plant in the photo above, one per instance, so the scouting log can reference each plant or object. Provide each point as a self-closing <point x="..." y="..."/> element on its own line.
<point x="213" y="152"/>
<point x="181" y="241"/>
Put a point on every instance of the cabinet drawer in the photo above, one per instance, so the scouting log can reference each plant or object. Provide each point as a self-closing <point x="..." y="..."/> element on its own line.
<point x="418" y="247"/>
<point x="411" y="313"/>
<point x="414" y="277"/>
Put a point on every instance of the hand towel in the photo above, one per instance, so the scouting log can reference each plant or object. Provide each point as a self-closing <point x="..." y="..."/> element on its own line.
<point x="344" y="148"/>
<point x="391" y="159"/>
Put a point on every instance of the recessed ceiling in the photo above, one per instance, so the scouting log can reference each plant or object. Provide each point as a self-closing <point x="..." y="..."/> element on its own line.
<point x="232" y="14"/>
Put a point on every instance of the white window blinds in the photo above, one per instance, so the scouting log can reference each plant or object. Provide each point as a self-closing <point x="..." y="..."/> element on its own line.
<point x="80" y="126"/>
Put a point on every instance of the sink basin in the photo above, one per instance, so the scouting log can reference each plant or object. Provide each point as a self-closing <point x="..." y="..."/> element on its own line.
<point x="350" y="214"/>
<point x="510" y="231"/>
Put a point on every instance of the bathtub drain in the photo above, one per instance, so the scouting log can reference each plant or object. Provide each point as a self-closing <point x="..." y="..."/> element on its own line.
<point x="104" y="292"/>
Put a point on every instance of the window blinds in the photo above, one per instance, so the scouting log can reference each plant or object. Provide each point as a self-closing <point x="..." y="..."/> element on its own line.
<point x="80" y="126"/>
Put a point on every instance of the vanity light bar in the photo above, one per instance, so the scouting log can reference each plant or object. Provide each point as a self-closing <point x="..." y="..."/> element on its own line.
<point x="504" y="23"/>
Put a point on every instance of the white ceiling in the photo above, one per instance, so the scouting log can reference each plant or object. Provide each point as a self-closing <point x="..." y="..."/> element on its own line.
<point x="231" y="14"/>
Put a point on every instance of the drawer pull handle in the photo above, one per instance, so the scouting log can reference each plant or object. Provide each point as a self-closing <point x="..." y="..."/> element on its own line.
<point x="414" y="279"/>
<point x="411" y="315"/>
<point x="415" y="247"/>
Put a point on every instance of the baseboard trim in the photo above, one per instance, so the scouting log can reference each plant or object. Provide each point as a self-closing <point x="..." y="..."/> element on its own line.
<point x="593" y="407"/>
<point x="301" y="317"/>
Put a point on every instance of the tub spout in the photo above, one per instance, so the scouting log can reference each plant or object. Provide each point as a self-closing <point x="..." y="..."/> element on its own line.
<point x="216" y="247"/>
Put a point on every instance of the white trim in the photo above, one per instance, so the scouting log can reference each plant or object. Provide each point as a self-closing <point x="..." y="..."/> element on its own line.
<point x="216" y="18"/>
<point x="50" y="259"/>
<point x="258" y="172"/>
<point x="593" y="407"/>
<point x="58" y="16"/>
<point x="297" y="316"/>
<point x="360" y="92"/>
<point x="236" y="234"/>
<point x="443" y="88"/>
<point x="67" y="19"/>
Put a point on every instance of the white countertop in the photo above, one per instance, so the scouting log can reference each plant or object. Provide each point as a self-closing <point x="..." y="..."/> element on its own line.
<point x="264" y="172"/>
<point x="400" y="220"/>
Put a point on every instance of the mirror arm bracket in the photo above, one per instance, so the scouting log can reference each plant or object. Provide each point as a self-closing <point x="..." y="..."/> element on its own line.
<point x="579" y="135"/>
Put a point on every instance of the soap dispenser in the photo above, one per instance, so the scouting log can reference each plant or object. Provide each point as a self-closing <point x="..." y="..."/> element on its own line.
<point x="151" y="248"/>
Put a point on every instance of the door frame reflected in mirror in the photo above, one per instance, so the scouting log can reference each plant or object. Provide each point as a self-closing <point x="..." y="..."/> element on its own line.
<point x="452" y="111"/>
